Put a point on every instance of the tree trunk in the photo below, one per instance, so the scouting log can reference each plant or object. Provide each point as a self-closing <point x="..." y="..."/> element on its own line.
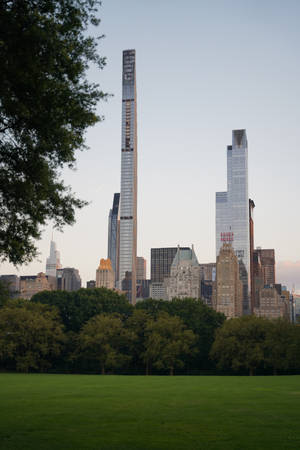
<point x="251" y="371"/>
<point x="171" y="370"/>
<point x="103" y="370"/>
<point x="147" y="367"/>
<point x="274" y="371"/>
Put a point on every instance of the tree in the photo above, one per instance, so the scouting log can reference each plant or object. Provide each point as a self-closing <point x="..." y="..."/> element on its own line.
<point x="46" y="105"/>
<point x="280" y="345"/>
<point x="167" y="342"/>
<point x="76" y="308"/>
<point x="240" y="342"/>
<point x="137" y="323"/>
<point x="197" y="316"/>
<point x="104" y="339"/>
<point x="31" y="336"/>
<point x="4" y="293"/>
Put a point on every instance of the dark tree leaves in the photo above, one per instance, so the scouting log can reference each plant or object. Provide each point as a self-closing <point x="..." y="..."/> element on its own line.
<point x="46" y="105"/>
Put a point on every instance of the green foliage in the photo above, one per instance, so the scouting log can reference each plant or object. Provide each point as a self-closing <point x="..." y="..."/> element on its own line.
<point x="104" y="340"/>
<point x="240" y="343"/>
<point x="4" y="294"/>
<point x="280" y="343"/>
<point x="46" y="104"/>
<point x="137" y="323"/>
<point x="197" y="316"/>
<point x="31" y="336"/>
<point x="167" y="342"/>
<point x="76" y="308"/>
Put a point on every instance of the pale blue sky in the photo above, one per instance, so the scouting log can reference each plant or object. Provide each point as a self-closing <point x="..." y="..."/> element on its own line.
<point x="203" y="69"/>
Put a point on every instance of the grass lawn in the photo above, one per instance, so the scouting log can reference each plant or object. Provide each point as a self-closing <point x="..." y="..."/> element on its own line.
<point x="122" y="412"/>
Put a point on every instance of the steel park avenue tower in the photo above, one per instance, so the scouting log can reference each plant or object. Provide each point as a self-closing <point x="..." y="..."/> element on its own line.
<point x="128" y="195"/>
<point x="232" y="210"/>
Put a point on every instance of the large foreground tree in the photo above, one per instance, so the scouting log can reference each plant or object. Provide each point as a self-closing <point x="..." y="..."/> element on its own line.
<point x="46" y="105"/>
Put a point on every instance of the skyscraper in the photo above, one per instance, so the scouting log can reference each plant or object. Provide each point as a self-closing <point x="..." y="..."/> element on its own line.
<point x="128" y="198"/>
<point x="267" y="261"/>
<point x="228" y="288"/>
<point x="105" y="276"/>
<point x="53" y="262"/>
<point x="141" y="273"/>
<point x="114" y="235"/>
<point x="232" y="210"/>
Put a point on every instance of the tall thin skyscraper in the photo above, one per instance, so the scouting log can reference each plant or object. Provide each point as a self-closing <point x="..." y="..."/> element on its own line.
<point x="128" y="198"/>
<point x="53" y="262"/>
<point x="232" y="210"/>
<point x="114" y="235"/>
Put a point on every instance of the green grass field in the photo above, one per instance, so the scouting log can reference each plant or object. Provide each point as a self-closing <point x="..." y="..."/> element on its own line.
<point x="122" y="412"/>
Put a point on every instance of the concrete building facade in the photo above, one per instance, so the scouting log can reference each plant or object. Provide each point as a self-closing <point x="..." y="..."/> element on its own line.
<point x="141" y="268"/>
<point x="228" y="288"/>
<point x="105" y="276"/>
<point x="68" y="279"/>
<point x="272" y="305"/>
<point x="184" y="280"/>
<point x="32" y="284"/>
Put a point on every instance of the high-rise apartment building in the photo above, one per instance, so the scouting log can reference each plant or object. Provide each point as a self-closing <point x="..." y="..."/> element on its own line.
<point x="251" y="243"/>
<point x="105" y="276"/>
<point x="128" y="198"/>
<point x="141" y="268"/>
<point x="272" y="304"/>
<point x="53" y="262"/>
<point x="68" y="279"/>
<point x="114" y="235"/>
<point x="267" y="262"/>
<point x="232" y="210"/>
<point x="228" y="288"/>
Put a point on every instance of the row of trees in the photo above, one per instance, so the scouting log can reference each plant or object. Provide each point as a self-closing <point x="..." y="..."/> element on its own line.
<point x="97" y="330"/>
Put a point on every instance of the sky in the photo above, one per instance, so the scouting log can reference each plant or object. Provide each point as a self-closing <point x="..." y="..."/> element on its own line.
<point x="203" y="68"/>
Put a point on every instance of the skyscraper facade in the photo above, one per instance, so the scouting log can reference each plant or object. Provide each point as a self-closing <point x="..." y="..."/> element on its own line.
<point x="128" y="198"/>
<point x="53" y="262"/>
<point x="114" y="235"/>
<point x="228" y="288"/>
<point x="141" y="269"/>
<point x="105" y="276"/>
<point x="68" y="279"/>
<point x="232" y="210"/>
<point x="267" y="261"/>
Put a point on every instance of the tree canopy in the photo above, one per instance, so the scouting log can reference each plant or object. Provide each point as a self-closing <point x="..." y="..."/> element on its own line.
<point x="240" y="343"/>
<point x="104" y="339"/>
<point x="76" y="308"/>
<point x="46" y="105"/>
<point x="31" y="336"/>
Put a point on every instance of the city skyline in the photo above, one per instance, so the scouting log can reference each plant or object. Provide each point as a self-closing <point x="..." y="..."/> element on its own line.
<point x="187" y="110"/>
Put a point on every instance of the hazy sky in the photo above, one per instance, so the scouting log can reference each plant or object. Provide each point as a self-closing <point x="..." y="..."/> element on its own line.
<point x="203" y="69"/>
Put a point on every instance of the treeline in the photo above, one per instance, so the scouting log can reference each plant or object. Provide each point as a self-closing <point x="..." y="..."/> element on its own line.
<point x="98" y="331"/>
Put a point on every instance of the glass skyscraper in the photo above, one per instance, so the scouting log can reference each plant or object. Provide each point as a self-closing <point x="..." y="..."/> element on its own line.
<point x="128" y="198"/>
<point x="114" y="235"/>
<point x="232" y="210"/>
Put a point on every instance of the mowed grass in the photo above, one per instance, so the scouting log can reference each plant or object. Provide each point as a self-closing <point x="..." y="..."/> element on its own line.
<point x="123" y="412"/>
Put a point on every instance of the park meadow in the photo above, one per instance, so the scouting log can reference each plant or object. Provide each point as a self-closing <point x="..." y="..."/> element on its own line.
<point x="46" y="412"/>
